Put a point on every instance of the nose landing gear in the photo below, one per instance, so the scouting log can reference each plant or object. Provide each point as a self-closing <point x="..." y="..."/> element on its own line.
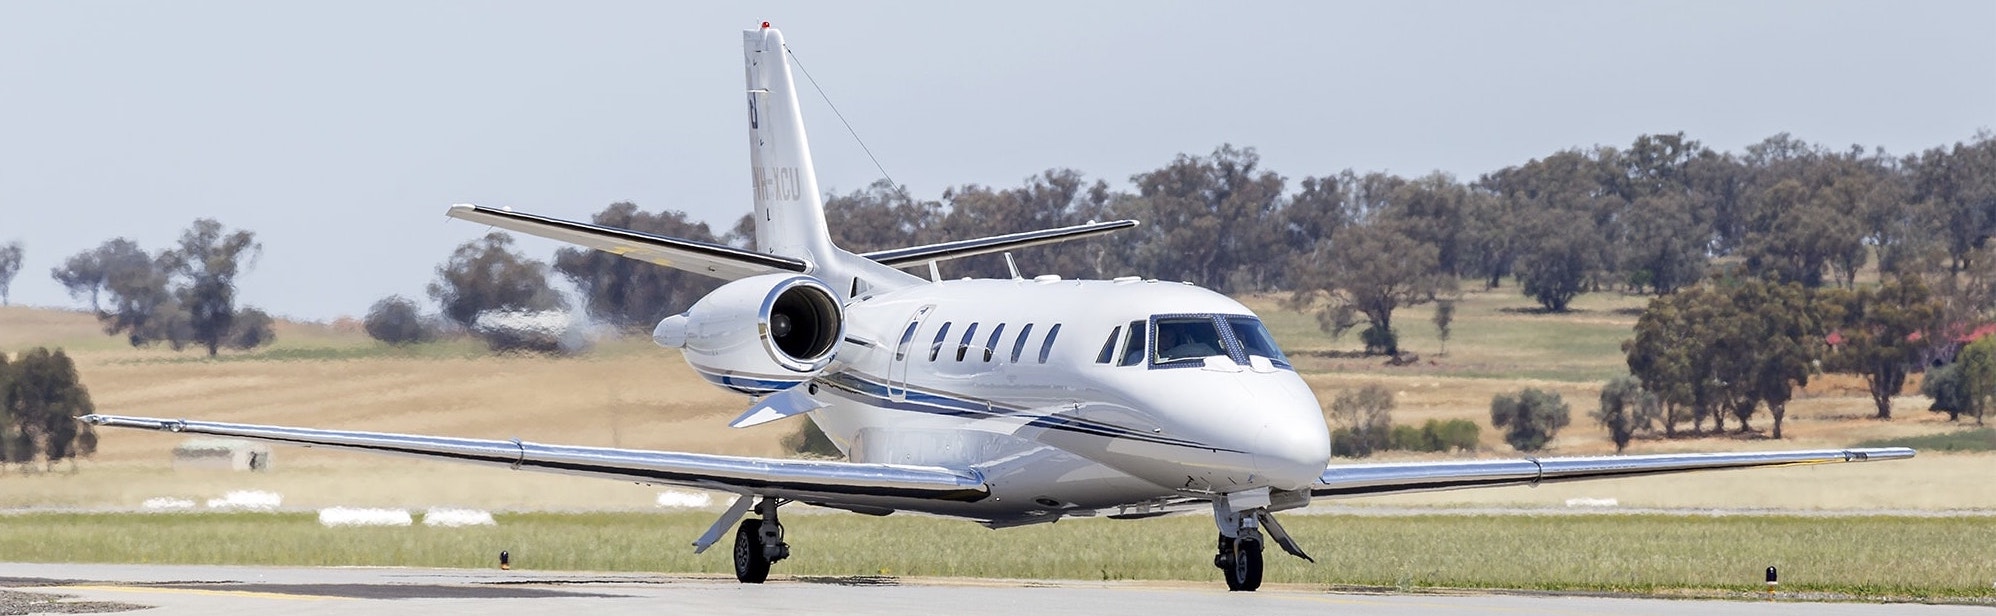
<point x="1239" y="561"/>
<point x="1241" y="517"/>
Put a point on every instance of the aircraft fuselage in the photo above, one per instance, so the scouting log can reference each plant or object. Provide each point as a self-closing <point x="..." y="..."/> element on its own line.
<point x="1017" y="377"/>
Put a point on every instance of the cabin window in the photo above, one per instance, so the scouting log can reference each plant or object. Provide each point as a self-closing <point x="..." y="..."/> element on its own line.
<point x="937" y="346"/>
<point x="1187" y="340"/>
<point x="1020" y="346"/>
<point x="963" y="345"/>
<point x="992" y="343"/>
<point x="1046" y="348"/>
<point x="1256" y="341"/>
<point x="1109" y="346"/>
<point x="1133" y="346"/>
<point x="907" y="337"/>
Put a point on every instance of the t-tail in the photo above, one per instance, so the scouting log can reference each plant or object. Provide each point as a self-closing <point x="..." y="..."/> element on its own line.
<point x="789" y="209"/>
<point x="790" y="233"/>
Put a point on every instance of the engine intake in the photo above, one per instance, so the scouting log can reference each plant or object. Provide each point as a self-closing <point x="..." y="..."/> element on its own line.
<point x="759" y="335"/>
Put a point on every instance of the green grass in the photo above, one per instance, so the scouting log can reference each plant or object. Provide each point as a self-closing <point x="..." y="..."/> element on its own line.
<point x="1870" y="557"/>
<point x="1978" y="439"/>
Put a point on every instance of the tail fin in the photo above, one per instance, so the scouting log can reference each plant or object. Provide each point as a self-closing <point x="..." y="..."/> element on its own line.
<point x="789" y="210"/>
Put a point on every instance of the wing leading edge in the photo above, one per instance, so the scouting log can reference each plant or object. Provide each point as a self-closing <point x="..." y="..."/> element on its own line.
<point x="903" y="257"/>
<point x="808" y="480"/>
<point x="723" y="262"/>
<point x="1400" y="477"/>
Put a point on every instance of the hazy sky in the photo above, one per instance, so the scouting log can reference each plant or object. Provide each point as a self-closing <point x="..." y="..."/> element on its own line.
<point x="340" y="132"/>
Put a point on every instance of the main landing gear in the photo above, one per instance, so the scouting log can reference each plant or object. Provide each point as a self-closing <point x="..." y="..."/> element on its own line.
<point x="1241" y="518"/>
<point x="759" y="543"/>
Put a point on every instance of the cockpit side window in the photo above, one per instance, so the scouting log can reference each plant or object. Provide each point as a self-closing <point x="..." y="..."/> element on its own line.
<point x="1133" y="346"/>
<point x="1187" y="340"/>
<point x="1109" y="346"/>
<point x="1256" y="341"/>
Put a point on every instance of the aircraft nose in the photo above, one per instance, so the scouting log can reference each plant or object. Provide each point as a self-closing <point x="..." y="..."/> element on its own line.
<point x="1293" y="453"/>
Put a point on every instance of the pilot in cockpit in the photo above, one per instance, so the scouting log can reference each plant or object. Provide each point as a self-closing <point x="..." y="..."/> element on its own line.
<point x="1181" y="340"/>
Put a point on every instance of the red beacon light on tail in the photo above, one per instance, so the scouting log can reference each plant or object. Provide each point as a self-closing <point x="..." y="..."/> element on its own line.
<point x="765" y="25"/>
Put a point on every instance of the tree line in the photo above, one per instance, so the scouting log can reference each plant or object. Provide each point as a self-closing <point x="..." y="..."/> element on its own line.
<point x="1652" y="218"/>
<point x="1753" y="258"/>
<point x="1354" y="248"/>
<point x="180" y="296"/>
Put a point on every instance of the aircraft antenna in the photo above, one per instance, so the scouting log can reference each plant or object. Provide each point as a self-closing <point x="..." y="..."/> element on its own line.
<point x="842" y="120"/>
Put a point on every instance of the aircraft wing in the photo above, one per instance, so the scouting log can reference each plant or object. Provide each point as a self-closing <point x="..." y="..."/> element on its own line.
<point x="723" y="262"/>
<point x="814" y="481"/>
<point x="1346" y="480"/>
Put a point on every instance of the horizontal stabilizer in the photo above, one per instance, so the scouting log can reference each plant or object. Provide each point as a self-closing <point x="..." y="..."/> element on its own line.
<point x="723" y="262"/>
<point x="809" y="480"/>
<point x="902" y="257"/>
<point x="1398" y="477"/>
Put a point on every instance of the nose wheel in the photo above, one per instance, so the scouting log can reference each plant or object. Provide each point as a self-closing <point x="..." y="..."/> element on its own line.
<point x="1239" y="561"/>
<point x="1242" y="518"/>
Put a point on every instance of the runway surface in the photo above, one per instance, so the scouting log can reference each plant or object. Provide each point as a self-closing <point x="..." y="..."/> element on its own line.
<point x="183" y="589"/>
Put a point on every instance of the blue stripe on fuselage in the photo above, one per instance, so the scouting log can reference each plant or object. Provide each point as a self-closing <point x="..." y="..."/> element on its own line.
<point x="874" y="393"/>
<point x="749" y="385"/>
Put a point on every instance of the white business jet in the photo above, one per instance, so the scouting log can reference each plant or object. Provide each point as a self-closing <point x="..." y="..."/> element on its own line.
<point x="1008" y="402"/>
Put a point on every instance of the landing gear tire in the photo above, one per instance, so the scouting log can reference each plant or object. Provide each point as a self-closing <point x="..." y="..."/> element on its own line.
<point x="752" y="565"/>
<point x="1240" y="562"/>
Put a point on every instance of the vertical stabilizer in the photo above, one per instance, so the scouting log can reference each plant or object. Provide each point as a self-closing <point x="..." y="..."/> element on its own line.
<point x="789" y="210"/>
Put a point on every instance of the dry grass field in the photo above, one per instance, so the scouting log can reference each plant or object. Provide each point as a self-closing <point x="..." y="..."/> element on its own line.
<point x="630" y="394"/>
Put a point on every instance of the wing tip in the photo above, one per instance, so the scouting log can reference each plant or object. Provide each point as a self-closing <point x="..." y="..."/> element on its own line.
<point x="1879" y="453"/>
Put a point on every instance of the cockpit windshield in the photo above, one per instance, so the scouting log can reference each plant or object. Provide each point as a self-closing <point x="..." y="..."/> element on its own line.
<point x="1183" y="340"/>
<point x="1187" y="339"/>
<point x="1255" y="339"/>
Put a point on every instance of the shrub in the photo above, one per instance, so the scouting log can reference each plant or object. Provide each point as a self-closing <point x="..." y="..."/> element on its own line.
<point x="394" y="320"/>
<point x="1945" y="387"/>
<point x="1453" y="435"/>
<point x="252" y="328"/>
<point x="1380" y="340"/>
<point x="1409" y="438"/>
<point x="1530" y="417"/>
<point x="1436" y="435"/>
<point x="1362" y="420"/>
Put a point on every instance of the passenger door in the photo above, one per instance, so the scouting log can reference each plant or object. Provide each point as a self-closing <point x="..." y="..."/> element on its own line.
<point x="897" y="369"/>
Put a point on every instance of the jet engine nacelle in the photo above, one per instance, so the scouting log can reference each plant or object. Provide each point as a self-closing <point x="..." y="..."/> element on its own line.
<point x="759" y="335"/>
